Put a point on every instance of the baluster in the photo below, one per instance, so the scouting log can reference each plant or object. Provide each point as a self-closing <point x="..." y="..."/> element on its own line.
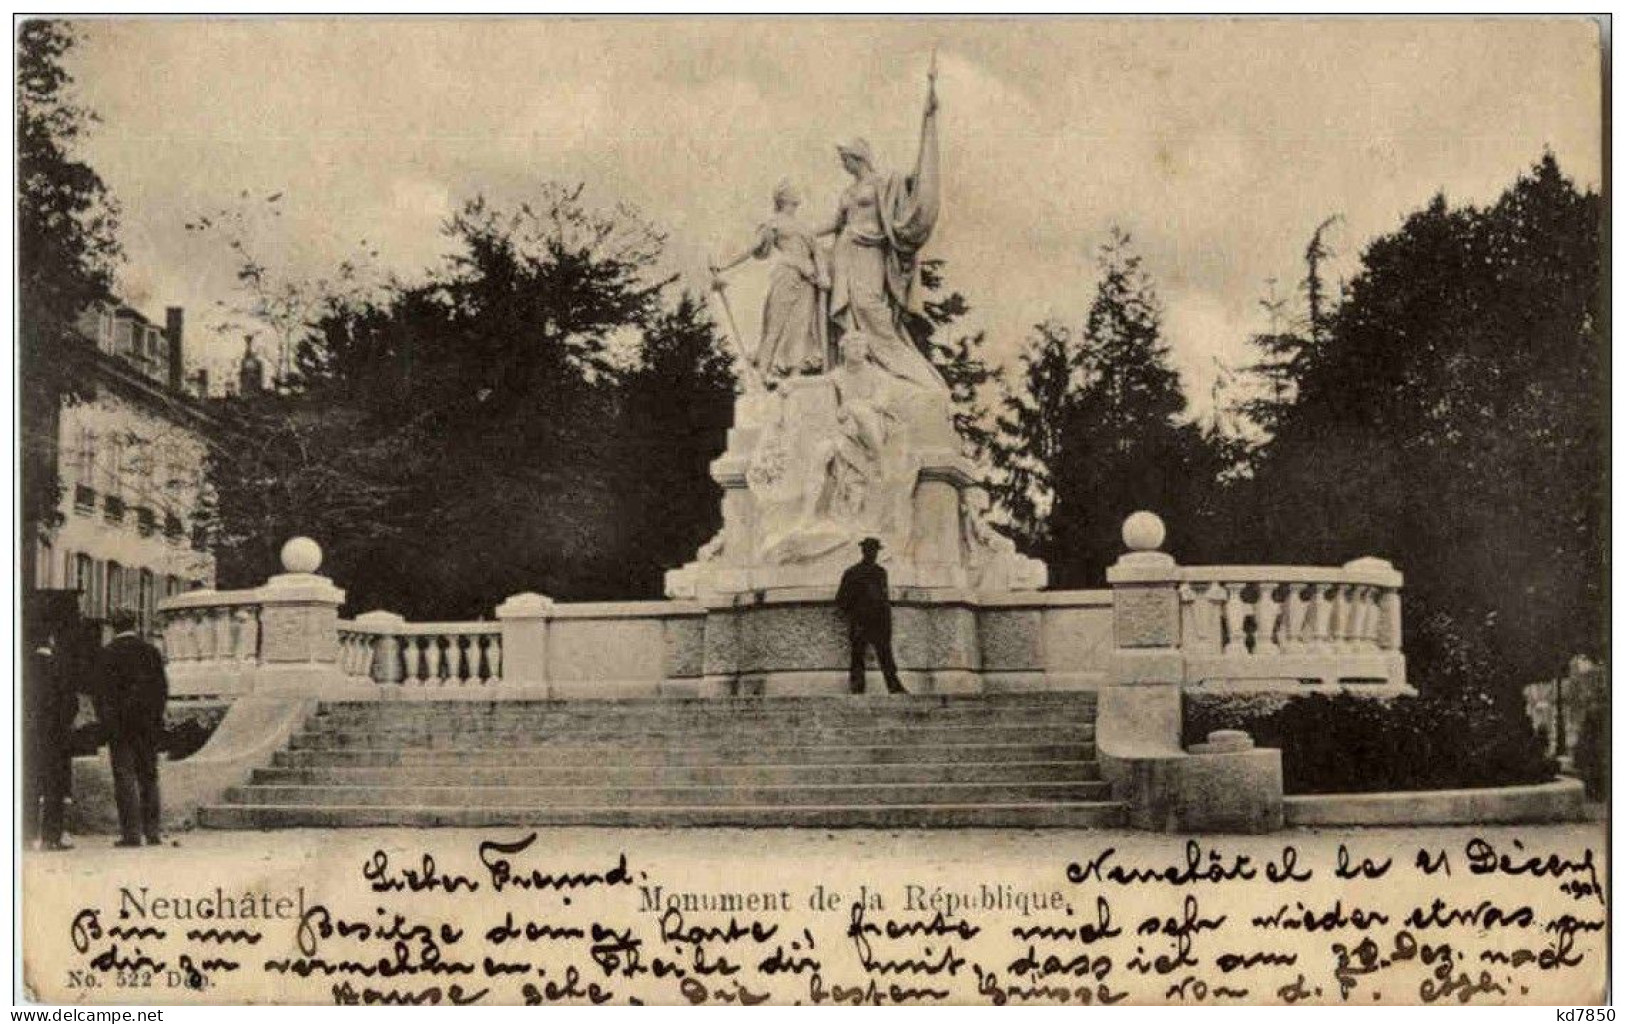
<point x="1354" y="620"/>
<point x="174" y="648"/>
<point x="186" y="646"/>
<point x="1370" y="632"/>
<point x="410" y="660"/>
<point x="469" y="646"/>
<point x="1388" y="623"/>
<point x="1267" y="612"/>
<point x="368" y="645"/>
<point x="1334" y="623"/>
<point x="455" y="659"/>
<point x="1206" y="631"/>
<point x="223" y="646"/>
<point x="1235" y="617"/>
<point x="1342" y="608"/>
<point x="1354" y="629"/>
<point x="347" y="653"/>
<point x="1294" y="626"/>
<point x="431" y="651"/>
<point x="243" y="646"/>
<point x="1320" y="613"/>
<point x="386" y="662"/>
<point x="413" y="673"/>
<point x="204" y="634"/>
<point x="494" y="654"/>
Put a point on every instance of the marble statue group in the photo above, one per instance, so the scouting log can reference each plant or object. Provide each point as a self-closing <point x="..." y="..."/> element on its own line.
<point x="843" y="415"/>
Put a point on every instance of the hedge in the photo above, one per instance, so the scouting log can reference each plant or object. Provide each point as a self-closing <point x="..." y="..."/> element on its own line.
<point x="1346" y="743"/>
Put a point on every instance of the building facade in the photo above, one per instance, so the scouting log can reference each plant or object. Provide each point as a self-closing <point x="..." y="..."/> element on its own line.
<point x="130" y="461"/>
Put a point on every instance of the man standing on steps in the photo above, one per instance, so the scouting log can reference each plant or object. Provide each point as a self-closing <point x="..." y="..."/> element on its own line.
<point x="133" y="690"/>
<point x="865" y="600"/>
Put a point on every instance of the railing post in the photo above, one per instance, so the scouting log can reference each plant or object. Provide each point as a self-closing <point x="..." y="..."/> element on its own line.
<point x="524" y="639"/>
<point x="1138" y="718"/>
<point x="299" y="633"/>
<point x="1228" y="785"/>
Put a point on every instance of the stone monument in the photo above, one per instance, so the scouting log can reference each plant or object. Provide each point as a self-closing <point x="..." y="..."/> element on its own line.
<point x="844" y="429"/>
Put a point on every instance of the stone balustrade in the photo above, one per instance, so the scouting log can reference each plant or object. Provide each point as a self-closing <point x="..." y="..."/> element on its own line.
<point x="1258" y="627"/>
<point x="210" y="639"/>
<point x="1250" y="625"/>
<point x="386" y="649"/>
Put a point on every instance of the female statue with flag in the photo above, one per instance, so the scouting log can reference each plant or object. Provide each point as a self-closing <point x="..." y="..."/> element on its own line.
<point x="883" y="221"/>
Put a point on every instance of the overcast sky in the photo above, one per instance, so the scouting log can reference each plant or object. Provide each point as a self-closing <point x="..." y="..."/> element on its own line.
<point x="1218" y="144"/>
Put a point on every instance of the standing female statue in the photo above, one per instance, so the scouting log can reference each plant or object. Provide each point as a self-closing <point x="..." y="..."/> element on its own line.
<point x="794" y="323"/>
<point x="883" y="221"/>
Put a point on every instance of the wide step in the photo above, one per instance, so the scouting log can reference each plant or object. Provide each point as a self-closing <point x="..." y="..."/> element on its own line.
<point x="692" y="775"/>
<point x="1073" y="815"/>
<point x="870" y="761"/>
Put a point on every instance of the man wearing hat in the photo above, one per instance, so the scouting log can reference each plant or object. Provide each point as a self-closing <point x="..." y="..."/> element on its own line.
<point x="866" y="602"/>
<point x="134" y="690"/>
<point x="50" y="702"/>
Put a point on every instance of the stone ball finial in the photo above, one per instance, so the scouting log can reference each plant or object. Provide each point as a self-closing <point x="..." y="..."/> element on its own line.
<point x="301" y="554"/>
<point x="1143" y="531"/>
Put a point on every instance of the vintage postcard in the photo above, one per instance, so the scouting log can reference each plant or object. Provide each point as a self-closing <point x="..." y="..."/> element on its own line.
<point x="715" y="511"/>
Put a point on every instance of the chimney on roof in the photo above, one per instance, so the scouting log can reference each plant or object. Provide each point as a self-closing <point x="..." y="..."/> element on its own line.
<point x="174" y="328"/>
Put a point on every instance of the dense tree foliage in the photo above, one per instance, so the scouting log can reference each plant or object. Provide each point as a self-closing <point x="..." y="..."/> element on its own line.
<point x="1454" y="419"/>
<point x="67" y="249"/>
<point x="1099" y="430"/>
<point x="958" y="356"/>
<point x="537" y="414"/>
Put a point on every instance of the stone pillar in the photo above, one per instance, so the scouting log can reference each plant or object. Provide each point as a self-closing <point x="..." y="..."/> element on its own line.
<point x="1138" y="721"/>
<point x="935" y="546"/>
<point x="299" y="637"/>
<point x="1229" y="786"/>
<point x="524" y="639"/>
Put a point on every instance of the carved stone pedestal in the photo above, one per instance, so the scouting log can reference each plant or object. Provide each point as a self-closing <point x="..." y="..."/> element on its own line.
<point x="813" y="467"/>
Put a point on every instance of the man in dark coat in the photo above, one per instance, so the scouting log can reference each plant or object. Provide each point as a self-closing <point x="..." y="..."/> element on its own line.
<point x="133" y="692"/>
<point x="865" y="600"/>
<point x="50" y="702"/>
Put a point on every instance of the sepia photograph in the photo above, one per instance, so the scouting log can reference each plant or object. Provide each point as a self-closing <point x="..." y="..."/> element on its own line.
<point x="745" y="510"/>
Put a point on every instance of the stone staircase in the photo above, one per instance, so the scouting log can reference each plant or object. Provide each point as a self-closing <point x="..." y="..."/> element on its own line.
<point x="1010" y="761"/>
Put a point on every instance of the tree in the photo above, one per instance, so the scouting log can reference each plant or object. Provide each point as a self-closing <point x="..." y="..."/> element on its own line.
<point x="531" y="415"/>
<point x="287" y="465"/>
<point x="674" y="409"/>
<point x="1315" y="254"/>
<point x="1124" y="444"/>
<point x="1026" y="445"/>
<point x="957" y="357"/>
<point x="1097" y="432"/>
<point x="67" y="249"/>
<point x="1281" y="351"/>
<point x="1454" y="419"/>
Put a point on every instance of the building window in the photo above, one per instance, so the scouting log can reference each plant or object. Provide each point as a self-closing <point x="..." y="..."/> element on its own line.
<point x="173" y="529"/>
<point x="200" y="539"/>
<point x="146" y="521"/>
<point x="45" y="564"/>
<point x="84" y="498"/>
<point x="147" y="600"/>
<point x="85" y="457"/>
<point x="84" y="581"/>
<point x="115" y="465"/>
<point x="113" y="505"/>
<point x="113" y="591"/>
